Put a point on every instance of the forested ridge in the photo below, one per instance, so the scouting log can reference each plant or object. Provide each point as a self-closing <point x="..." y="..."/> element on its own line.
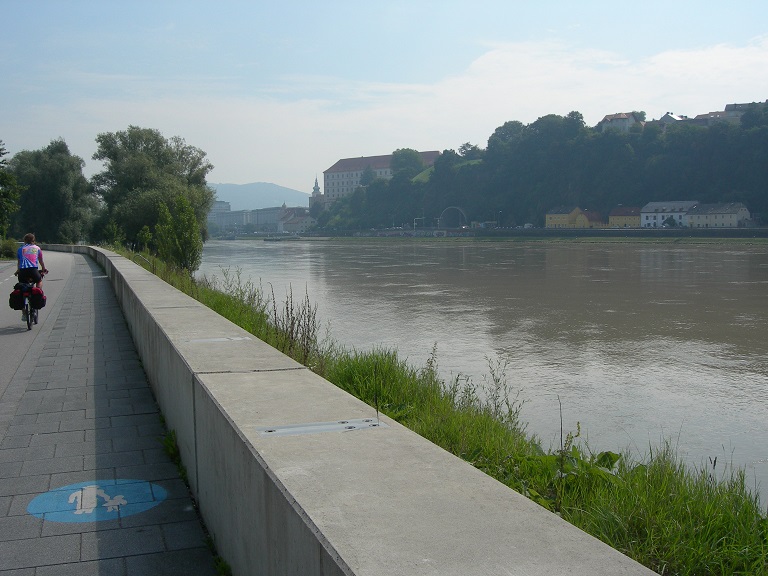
<point x="526" y="170"/>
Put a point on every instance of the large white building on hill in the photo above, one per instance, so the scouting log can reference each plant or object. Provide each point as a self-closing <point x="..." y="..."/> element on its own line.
<point x="343" y="177"/>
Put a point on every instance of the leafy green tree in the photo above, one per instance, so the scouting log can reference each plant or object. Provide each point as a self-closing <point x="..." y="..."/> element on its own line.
<point x="10" y="192"/>
<point x="407" y="161"/>
<point x="143" y="170"/>
<point x="507" y="134"/>
<point x="316" y="209"/>
<point x="179" y="241"/>
<point x="368" y="176"/>
<point x="755" y="115"/>
<point x="144" y="237"/>
<point x="58" y="204"/>
<point x="113" y="234"/>
<point x="470" y="151"/>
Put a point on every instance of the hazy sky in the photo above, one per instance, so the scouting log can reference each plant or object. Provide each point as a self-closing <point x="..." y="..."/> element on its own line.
<point x="278" y="91"/>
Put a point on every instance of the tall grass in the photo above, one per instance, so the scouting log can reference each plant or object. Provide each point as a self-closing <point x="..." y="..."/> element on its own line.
<point x="673" y="518"/>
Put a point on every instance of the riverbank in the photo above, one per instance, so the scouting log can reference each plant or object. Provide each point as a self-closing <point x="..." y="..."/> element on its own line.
<point x="539" y="237"/>
<point x="672" y="518"/>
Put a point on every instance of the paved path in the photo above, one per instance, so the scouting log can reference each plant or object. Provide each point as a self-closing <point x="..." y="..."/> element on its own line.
<point x="85" y="486"/>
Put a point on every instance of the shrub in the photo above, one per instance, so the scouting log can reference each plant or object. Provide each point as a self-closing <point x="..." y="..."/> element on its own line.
<point x="8" y="248"/>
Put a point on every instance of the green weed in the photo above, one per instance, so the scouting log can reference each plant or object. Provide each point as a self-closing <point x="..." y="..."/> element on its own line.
<point x="171" y="448"/>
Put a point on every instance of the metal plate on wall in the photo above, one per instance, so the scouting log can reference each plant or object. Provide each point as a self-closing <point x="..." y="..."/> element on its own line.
<point x="318" y="427"/>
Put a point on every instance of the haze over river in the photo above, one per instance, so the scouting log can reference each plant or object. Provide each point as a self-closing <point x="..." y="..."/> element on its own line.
<point x="640" y="341"/>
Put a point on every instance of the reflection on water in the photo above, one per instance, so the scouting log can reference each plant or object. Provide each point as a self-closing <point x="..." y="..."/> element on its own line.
<point x="638" y="342"/>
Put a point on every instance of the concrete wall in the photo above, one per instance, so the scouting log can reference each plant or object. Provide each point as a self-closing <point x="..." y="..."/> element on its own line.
<point x="370" y="501"/>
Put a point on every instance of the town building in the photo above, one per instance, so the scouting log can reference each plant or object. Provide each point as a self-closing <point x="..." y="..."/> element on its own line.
<point x="655" y="214"/>
<point x="621" y="122"/>
<point x="727" y="215"/>
<point x="573" y="217"/>
<point x="219" y="207"/>
<point x="624" y="217"/>
<point x="344" y="176"/>
<point x="262" y="220"/>
<point x="562" y="217"/>
<point x="671" y="118"/>
<point x="295" y="221"/>
<point x="732" y="116"/>
<point x="590" y="219"/>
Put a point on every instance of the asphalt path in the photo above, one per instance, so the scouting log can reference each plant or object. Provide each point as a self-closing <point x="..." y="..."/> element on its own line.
<point x="15" y="339"/>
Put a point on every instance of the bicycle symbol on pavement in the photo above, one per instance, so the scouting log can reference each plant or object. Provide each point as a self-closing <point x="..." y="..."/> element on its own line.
<point x="97" y="501"/>
<point x="87" y="499"/>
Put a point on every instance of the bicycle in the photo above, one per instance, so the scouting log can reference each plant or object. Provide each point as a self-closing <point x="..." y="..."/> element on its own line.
<point x="29" y="313"/>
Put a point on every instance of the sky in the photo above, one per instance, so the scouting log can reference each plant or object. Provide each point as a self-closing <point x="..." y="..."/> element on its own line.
<point x="279" y="91"/>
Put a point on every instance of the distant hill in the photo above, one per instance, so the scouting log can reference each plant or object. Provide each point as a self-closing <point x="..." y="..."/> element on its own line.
<point x="258" y="195"/>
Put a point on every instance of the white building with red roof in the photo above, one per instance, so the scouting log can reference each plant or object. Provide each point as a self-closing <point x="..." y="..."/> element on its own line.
<point x="343" y="177"/>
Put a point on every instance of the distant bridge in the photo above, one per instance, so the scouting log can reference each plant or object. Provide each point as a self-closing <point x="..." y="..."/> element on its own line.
<point x="463" y="219"/>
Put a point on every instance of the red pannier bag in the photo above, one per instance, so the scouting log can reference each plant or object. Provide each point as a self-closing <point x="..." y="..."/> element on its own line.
<point x="16" y="299"/>
<point x="37" y="299"/>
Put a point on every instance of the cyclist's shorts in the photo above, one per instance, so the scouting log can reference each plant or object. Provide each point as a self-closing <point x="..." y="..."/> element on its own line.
<point x="30" y="275"/>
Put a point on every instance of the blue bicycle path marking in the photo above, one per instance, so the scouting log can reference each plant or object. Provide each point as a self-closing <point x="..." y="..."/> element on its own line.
<point x="97" y="501"/>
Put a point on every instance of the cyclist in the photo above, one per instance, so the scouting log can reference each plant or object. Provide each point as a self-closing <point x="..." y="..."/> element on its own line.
<point x="29" y="256"/>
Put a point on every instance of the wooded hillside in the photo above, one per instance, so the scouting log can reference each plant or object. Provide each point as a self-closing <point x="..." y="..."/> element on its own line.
<point x="526" y="170"/>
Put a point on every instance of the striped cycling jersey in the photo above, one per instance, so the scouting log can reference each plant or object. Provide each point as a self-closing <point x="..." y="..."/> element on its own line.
<point x="28" y="256"/>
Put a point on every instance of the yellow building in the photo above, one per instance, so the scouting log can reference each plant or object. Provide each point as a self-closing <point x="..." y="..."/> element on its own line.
<point x="624" y="217"/>
<point x="573" y="217"/>
<point x="589" y="219"/>
<point x="562" y="217"/>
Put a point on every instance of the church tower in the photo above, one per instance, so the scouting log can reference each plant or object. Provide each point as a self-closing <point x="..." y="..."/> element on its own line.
<point x="317" y="197"/>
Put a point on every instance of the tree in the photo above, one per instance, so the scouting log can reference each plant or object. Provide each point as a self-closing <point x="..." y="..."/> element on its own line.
<point x="368" y="176"/>
<point x="10" y="192"/>
<point x="470" y="151"/>
<point x="179" y="241"/>
<point x="144" y="238"/>
<point x="58" y="204"/>
<point x="143" y="170"/>
<point x="754" y="116"/>
<point x="113" y="234"/>
<point x="316" y="209"/>
<point x="407" y="161"/>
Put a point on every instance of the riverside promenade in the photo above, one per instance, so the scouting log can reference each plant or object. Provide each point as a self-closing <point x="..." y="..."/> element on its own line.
<point x="85" y="485"/>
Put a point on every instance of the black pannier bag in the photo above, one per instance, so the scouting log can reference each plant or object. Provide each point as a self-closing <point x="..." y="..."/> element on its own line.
<point x="37" y="299"/>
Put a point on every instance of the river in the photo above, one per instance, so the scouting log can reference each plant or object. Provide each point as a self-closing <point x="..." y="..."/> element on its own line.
<point x="638" y="343"/>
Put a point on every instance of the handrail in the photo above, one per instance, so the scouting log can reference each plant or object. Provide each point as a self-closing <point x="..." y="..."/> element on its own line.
<point x="151" y="264"/>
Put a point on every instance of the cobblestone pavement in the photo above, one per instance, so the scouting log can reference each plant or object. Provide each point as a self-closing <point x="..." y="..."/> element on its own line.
<point x="85" y="485"/>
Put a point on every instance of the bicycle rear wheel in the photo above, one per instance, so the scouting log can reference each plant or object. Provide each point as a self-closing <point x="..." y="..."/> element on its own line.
<point x="28" y="312"/>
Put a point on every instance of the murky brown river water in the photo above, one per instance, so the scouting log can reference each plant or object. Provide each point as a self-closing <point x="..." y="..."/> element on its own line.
<point x="639" y="342"/>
